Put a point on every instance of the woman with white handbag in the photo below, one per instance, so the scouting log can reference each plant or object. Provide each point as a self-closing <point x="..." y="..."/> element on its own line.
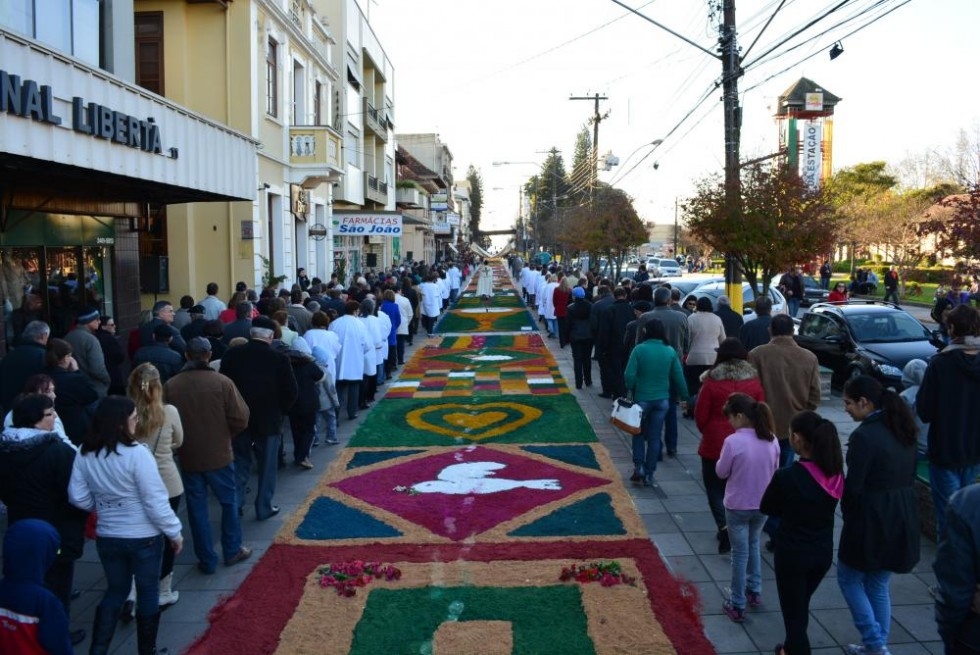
<point x="652" y="373"/>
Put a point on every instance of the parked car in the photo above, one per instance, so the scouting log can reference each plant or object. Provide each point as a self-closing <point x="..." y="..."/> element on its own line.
<point x="812" y="291"/>
<point x="865" y="338"/>
<point x="668" y="267"/>
<point x="714" y="290"/>
<point x="686" y="285"/>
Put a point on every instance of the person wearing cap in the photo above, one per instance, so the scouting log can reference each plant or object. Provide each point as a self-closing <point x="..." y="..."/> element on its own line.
<point x="212" y="412"/>
<point x="163" y="314"/>
<point x="159" y="354"/>
<point x="580" y="337"/>
<point x="264" y="377"/>
<point x="195" y="328"/>
<point x="88" y="351"/>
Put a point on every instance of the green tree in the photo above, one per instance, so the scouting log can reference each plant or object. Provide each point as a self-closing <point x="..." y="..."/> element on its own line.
<point x="582" y="165"/>
<point x="548" y="195"/>
<point x="609" y="228"/>
<point x="476" y="202"/>
<point x="783" y="221"/>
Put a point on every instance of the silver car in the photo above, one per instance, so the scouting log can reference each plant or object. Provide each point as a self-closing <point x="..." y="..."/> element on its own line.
<point x="713" y="290"/>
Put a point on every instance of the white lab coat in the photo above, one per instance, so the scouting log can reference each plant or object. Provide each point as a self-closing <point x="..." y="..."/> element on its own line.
<point x="355" y="346"/>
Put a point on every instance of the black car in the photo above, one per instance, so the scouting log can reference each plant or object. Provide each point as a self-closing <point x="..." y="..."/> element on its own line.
<point x="865" y="338"/>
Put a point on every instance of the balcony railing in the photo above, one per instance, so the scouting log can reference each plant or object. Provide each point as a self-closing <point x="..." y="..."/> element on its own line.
<point x="408" y="196"/>
<point x="375" y="189"/>
<point x="314" y="151"/>
<point x="375" y="121"/>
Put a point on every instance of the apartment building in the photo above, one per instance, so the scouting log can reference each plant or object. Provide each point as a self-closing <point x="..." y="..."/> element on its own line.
<point x="88" y="158"/>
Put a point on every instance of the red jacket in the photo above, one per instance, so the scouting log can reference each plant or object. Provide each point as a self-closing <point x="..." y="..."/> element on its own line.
<point x="561" y="300"/>
<point x="733" y="376"/>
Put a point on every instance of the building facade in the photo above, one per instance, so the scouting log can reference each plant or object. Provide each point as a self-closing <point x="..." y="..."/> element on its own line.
<point x="86" y="158"/>
<point x="264" y="67"/>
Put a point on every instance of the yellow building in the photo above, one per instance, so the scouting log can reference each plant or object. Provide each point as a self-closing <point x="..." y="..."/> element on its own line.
<point x="266" y="69"/>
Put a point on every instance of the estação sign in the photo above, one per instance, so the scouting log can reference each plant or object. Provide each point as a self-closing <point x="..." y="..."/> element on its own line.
<point x="28" y="99"/>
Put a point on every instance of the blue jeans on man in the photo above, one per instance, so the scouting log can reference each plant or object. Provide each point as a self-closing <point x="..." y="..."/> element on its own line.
<point x="866" y="594"/>
<point x="670" y="426"/>
<point x="265" y="452"/>
<point x="646" y="444"/>
<point x="222" y="483"/>
<point x="793" y="306"/>
<point x="744" y="530"/>
<point x="944" y="483"/>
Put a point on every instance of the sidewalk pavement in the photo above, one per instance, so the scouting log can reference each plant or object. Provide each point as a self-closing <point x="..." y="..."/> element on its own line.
<point x="675" y="512"/>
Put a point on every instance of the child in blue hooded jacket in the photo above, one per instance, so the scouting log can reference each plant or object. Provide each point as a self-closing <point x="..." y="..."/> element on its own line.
<point x="32" y="619"/>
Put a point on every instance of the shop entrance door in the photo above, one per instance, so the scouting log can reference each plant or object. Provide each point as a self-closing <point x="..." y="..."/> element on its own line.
<point x="52" y="283"/>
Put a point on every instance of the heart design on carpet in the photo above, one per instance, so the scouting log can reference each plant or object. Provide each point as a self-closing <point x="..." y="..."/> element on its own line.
<point x="473" y="422"/>
<point x="470" y="422"/>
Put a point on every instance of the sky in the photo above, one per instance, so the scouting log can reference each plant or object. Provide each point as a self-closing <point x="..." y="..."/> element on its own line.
<point x="493" y="80"/>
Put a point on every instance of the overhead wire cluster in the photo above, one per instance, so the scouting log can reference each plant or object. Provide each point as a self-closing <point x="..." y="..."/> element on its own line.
<point x="865" y="13"/>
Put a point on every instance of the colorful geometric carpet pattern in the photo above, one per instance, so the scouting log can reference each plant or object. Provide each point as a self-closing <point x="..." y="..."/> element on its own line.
<point x="480" y="488"/>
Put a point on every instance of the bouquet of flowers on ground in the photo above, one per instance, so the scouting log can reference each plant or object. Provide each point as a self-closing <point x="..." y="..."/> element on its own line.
<point x="607" y="574"/>
<point x="346" y="577"/>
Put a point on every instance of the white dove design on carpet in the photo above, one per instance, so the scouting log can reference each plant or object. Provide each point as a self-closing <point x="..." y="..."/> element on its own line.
<point x="475" y="478"/>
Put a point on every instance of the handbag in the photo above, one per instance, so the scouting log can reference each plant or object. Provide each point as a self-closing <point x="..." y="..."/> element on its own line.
<point x="626" y="415"/>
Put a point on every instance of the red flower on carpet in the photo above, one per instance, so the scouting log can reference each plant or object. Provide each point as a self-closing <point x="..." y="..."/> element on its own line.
<point x="608" y="574"/>
<point x="345" y="577"/>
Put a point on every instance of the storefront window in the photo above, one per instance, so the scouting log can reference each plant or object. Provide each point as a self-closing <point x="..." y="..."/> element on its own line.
<point x="21" y="289"/>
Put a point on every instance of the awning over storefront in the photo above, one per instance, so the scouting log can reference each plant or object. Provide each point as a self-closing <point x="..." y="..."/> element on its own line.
<point x="80" y="132"/>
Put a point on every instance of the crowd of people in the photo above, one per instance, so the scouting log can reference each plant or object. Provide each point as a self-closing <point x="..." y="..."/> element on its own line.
<point x="771" y="463"/>
<point x="107" y="441"/>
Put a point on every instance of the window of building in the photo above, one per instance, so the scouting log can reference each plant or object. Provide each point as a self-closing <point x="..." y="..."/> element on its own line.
<point x="318" y="103"/>
<point x="272" y="79"/>
<point x="149" y="50"/>
<point x="153" y="231"/>
<point x="350" y="148"/>
<point x="68" y="25"/>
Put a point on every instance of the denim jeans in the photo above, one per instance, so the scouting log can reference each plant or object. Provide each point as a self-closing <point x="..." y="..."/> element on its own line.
<point x="744" y="528"/>
<point x="125" y="559"/>
<point x="670" y="425"/>
<point x="348" y="392"/>
<point x="793" y="306"/>
<point x="329" y="422"/>
<point x="266" y="456"/>
<point x="646" y="445"/>
<point x="946" y="482"/>
<point x="552" y="324"/>
<point x="222" y="483"/>
<point x="866" y="594"/>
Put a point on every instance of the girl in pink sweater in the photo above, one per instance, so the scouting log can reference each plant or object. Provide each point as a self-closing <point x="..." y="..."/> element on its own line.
<point x="749" y="457"/>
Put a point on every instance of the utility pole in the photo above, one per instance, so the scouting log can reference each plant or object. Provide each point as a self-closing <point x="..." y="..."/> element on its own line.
<point x="595" y="120"/>
<point x="731" y="70"/>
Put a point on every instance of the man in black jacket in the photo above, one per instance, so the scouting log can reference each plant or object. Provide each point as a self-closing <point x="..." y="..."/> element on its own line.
<point x="950" y="387"/>
<point x="731" y="319"/>
<point x="26" y="359"/>
<point x="755" y="332"/>
<point x="609" y="341"/>
<point x="265" y="379"/>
